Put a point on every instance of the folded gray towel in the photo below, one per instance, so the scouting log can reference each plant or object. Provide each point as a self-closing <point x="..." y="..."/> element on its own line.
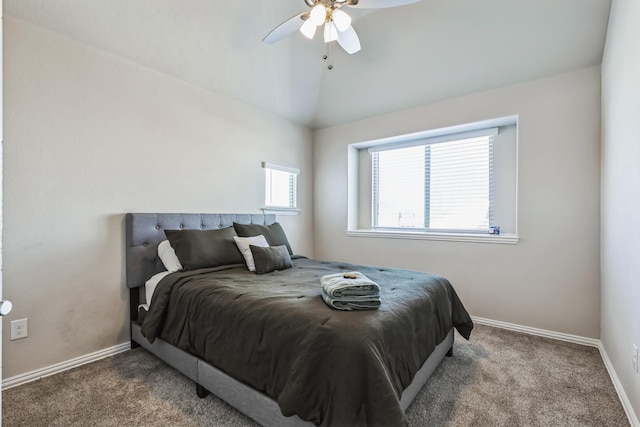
<point x="352" y="303"/>
<point x="339" y="286"/>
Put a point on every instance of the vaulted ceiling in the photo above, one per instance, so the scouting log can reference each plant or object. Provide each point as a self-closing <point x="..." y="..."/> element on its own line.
<point x="411" y="55"/>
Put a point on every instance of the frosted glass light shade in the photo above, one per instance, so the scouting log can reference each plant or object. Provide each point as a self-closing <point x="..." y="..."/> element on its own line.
<point x="308" y="29"/>
<point x="341" y="19"/>
<point x="318" y="14"/>
<point x="330" y="32"/>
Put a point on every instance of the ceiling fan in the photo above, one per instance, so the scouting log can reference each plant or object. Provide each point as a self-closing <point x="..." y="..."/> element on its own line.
<point x="336" y="22"/>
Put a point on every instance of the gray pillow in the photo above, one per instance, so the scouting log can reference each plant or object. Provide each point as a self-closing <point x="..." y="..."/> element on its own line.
<point x="273" y="233"/>
<point x="205" y="248"/>
<point x="270" y="259"/>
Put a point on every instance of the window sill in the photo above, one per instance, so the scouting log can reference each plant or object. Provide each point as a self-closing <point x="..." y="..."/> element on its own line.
<point x="281" y="211"/>
<point x="505" y="239"/>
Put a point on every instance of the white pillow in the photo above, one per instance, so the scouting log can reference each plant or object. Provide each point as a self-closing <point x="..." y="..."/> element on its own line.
<point x="169" y="257"/>
<point x="243" y="244"/>
<point x="150" y="285"/>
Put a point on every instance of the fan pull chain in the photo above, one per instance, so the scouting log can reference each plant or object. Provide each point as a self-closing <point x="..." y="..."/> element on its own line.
<point x="325" y="56"/>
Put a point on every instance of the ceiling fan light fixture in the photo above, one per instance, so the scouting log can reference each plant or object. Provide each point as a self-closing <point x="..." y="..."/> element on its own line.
<point x="330" y="32"/>
<point x="341" y="19"/>
<point x="336" y="22"/>
<point x="318" y="14"/>
<point x="308" y="29"/>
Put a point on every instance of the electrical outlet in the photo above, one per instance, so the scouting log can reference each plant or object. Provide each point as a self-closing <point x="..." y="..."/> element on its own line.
<point x="19" y="329"/>
<point x="634" y="355"/>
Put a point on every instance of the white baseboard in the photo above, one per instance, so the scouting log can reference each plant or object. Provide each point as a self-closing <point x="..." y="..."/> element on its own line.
<point x="63" y="366"/>
<point x="591" y="342"/>
<point x="626" y="403"/>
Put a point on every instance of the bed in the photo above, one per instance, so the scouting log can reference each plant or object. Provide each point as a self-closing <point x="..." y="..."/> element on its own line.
<point x="272" y="348"/>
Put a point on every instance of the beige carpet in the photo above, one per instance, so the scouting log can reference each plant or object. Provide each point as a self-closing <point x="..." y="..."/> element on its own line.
<point x="499" y="378"/>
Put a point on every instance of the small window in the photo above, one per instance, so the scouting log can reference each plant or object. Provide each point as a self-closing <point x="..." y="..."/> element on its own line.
<point x="281" y="187"/>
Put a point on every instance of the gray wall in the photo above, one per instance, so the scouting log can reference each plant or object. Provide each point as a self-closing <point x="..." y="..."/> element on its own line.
<point x="551" y="279"/>
<point x="88" y="137"/>
<point x="620" y="254"/>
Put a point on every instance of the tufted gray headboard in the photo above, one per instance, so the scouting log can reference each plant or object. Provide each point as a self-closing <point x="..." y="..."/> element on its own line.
<point x="145" y="230"/>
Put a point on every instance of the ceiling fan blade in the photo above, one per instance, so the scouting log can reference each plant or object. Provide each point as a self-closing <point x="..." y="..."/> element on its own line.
<point x="379" y="4"/>
<point x="288" y="27"/>
<point x="348" y="40"/>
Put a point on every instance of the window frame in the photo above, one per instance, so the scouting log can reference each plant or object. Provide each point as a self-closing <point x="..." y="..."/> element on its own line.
<point x="292" y="208"/>
<point x="357" y="200"/>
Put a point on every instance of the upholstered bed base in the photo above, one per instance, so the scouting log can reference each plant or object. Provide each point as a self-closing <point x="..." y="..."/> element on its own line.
<point x="251" y="402"/>
<point x="143" y="233"/>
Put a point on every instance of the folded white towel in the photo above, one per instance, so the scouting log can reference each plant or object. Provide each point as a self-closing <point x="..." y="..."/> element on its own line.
<point x="355" y="303"/>
<point x="340" y="286"/>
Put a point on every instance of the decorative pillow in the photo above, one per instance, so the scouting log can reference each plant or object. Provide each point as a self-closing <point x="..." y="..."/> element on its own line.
<point x="243" y="244"/>
<point x="205" y="248"/>
<point x="168" y="257"/>
<point x="273" y="233"/>
<point x="270" y="259"/>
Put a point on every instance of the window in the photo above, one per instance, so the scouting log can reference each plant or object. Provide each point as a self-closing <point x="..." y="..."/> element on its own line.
<point x="280" y="187"/>
<point x="457" y="183"/>
<point x="442" y="185"/>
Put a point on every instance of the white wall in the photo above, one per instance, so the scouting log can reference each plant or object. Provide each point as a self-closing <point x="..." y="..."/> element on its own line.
<point x="89" y="137"/>
<point x="620" y="254"/>
<point x="551" y="278"/>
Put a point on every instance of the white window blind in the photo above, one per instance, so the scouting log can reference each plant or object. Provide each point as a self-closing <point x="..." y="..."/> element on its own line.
<point x="281" y="186"/>
<point x="443" y="184"/>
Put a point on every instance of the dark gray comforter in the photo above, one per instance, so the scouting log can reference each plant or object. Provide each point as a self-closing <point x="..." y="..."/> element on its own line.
<point x="275" y="333"/>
